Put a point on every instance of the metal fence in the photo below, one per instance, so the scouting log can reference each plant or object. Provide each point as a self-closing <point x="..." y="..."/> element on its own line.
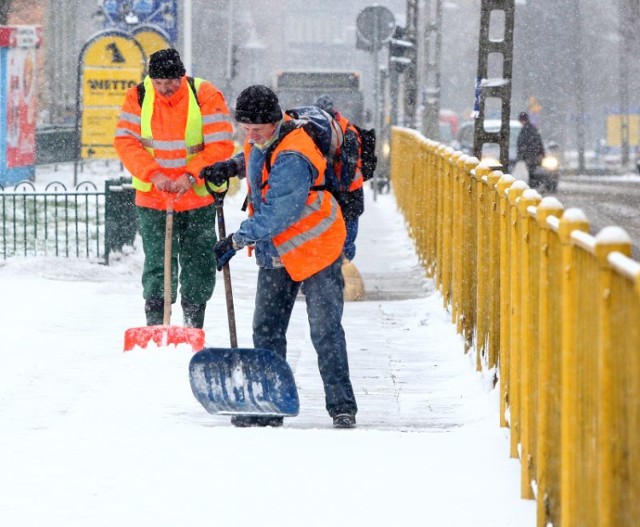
<point x="79" y="223"/>
<point x="552" y="312"/>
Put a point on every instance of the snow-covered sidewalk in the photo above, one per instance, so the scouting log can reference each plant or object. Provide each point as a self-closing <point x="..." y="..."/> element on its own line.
<point x="91" y="436"/>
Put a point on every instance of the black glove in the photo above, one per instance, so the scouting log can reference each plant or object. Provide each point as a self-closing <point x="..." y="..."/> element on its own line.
<point x="219" y="173"/>
<point x="224" y="250"/>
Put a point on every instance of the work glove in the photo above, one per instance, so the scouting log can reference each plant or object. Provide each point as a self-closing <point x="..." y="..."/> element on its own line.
<point x="224" y="250"/>
<point x="219" y="173"/>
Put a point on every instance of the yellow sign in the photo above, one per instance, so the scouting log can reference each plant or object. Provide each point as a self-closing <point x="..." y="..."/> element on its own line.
<point x="114" y="50"/>
<point x="98" y="130"/>
<point x="112" y="63"/>
<point x="107" y="87"/>
<point x="151" y="39"/>
<point x="614" y="129"/>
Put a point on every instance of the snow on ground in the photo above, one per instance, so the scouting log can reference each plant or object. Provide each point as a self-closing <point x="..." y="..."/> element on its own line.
<point x="91" y="436"/>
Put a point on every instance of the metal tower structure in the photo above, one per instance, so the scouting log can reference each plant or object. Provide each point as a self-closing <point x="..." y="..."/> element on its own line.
<point x="495" y="54"/>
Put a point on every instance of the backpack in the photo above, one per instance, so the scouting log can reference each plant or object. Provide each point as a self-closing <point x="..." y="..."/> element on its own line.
<point x="142" y="90"/>
<point x="328" y="137"/>
<point x="325" y="132"/>
<point x="368" y="156"/>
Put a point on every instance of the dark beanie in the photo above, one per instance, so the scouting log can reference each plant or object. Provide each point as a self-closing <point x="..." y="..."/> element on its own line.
<point x="325" y="102"/>
<point x="166" y="64"/>
<point x="258" y="105"/>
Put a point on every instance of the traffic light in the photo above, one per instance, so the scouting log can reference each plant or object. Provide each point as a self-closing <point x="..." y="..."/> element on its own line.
<point x="235" y="60"/>
<point x="401" y="50"/>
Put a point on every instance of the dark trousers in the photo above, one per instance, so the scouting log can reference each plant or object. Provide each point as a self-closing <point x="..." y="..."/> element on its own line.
<point x="193" y="263"/>
<point x="275" y="297"/>
<point x="532" y="167"/>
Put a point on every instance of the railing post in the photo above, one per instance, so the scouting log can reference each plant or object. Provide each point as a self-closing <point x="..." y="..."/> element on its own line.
<point x="571" y="220"/>
<point x="493" y="219"/>
<point x="469" y="251"/>
<point x="549" y="367"/>
<point x="449" y="164"/>
<point x="515" y="191"/>
<point x="502" y="187"/>
<point x="613" y="470"/>
<point x="528" y="348"/>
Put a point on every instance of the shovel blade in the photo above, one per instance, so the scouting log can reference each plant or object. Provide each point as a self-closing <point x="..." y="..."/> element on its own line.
<point x="243" y="381"/>
<point x="163" y="336"/>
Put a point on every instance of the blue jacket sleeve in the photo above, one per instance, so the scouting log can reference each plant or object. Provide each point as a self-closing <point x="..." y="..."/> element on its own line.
<point x="290" y="179"/>
<point x="238" y="159"/>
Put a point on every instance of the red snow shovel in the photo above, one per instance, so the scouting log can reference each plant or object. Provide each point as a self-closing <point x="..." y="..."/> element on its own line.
<point x="166" y="334"/>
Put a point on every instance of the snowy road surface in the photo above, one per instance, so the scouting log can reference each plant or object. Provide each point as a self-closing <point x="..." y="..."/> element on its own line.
<point x="91" y="436"/>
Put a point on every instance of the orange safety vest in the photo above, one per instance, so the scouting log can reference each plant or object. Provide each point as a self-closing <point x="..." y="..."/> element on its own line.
<point x="177" y="135"/>
<point x="316" y="239"/>
<point x="345" y="125"/>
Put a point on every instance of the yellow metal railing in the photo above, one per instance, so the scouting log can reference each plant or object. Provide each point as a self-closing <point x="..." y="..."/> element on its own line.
<point x="551" y="311"/>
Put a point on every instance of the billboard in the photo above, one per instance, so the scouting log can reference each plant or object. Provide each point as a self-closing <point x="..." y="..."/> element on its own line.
<point x="18" y="101"/>
<point x="110" y="63"/>
<point x="123" y="14"/>
<point x="151" y="38"/>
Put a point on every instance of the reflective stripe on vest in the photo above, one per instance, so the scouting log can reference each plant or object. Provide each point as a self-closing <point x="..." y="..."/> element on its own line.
<point x="315" y="239"/>
<point x="192" y="144"/>
<point x="358" y="180"/>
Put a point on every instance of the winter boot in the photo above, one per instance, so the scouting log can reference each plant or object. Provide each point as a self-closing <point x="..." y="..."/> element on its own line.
<point x="245" y="421"/>
<point x="193" y="314"/>
<point x="154" y="310"/>
<point x="344" y="421"/>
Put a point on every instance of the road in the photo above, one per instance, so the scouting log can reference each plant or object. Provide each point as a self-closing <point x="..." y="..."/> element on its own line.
<point x="605" y="200"/>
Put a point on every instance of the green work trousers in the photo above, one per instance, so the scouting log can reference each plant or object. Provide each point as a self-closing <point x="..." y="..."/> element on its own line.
<point x="192" y="260"/>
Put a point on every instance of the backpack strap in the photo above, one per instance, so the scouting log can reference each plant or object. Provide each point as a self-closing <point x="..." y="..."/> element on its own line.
<point x="286" y="128"/>
<point x="142" y="89"/>
<point x="192" y="85"/>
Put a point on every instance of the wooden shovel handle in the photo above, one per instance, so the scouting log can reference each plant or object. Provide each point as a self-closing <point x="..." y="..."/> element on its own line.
<point x="231" y="316"/>
<point x="168" y="241"/>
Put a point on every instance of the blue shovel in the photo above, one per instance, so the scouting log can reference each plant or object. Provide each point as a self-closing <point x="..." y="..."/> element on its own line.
<point x="241" y="381"/>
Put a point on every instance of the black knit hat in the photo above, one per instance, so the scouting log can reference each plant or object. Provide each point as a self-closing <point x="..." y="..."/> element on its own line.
<point x="258" y="104"/>
<point x="166" y="64"/>
<point x="324" y="102"/>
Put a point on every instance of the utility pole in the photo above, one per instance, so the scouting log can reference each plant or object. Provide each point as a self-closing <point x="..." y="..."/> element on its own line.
<point x="187" y="35"/>
<point x="410" y="76"/>
<point x="230" y="55"/>
<point x="432" y="48"/>
<point x="623" y="76"/>
<point x="498" y="88"/>
<point x="61" y="59"/>
<point x="580" y="104"/>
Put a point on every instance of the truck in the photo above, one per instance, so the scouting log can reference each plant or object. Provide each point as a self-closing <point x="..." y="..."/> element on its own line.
<point x="303" y="87"/>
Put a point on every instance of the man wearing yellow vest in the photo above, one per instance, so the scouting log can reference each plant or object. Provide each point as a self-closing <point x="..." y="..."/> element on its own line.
<point x="171" y="127"/>
<point x="298" y="232"/>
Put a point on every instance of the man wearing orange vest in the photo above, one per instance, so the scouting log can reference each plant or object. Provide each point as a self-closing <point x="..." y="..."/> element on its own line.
<point x="170" y="127"/>
<point x="298" y="233"/>
<point x="348" y="171"/>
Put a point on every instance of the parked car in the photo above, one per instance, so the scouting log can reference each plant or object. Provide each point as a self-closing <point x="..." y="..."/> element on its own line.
<point x="491" y="151"/>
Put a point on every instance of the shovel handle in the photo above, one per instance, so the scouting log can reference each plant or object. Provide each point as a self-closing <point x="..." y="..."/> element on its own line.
<point x="168" y="242"/>
<point x="226" y="273"/>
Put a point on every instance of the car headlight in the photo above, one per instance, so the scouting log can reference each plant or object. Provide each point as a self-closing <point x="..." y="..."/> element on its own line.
<point x="386" y="149"/>
<point x="550" y="162"/>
